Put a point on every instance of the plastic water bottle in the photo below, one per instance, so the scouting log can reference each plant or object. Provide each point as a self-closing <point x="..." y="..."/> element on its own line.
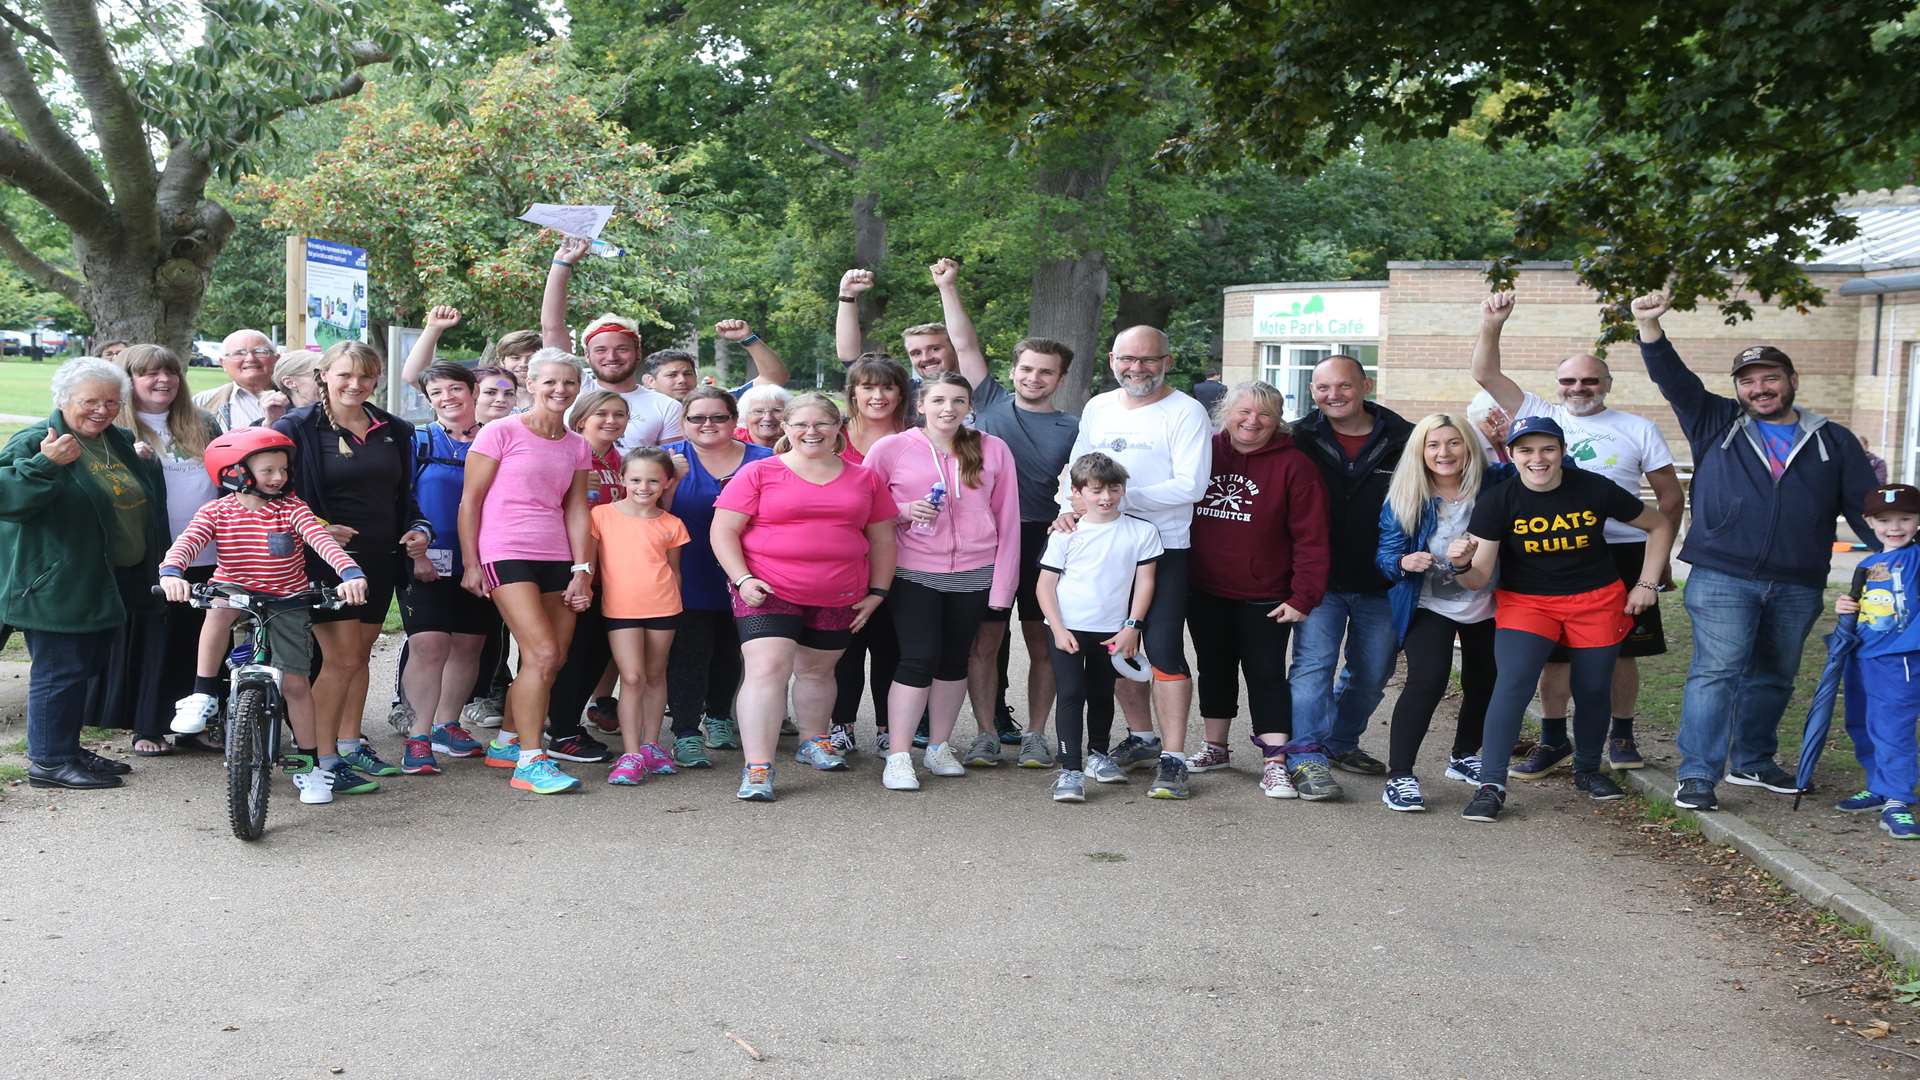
<point x="937" y="495"/>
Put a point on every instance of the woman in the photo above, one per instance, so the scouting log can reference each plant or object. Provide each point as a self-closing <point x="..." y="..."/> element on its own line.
<point x="353" y="464"/>
<point x="510" y="354"/>
<point x="447" y="626"/>
<point x="877" y="400"/>
<point x="524" y="537"/>
<point x="496" y="393"/>
<point x="1260" y="564"/>
<point x="1428" y="506"/>
<point x="297" y="376"/>
<point x="703" y="668"/>
<point x="806" y="540"/>
<point x="83" y="524"/>
<point x="1557" y="585"/>
<point x="957" y="557"/>
<point x="167" y="428"/>
<point x="764" y="408"/>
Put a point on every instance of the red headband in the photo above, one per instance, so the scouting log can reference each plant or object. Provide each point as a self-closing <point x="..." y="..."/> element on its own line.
<point x="607" y="328"/>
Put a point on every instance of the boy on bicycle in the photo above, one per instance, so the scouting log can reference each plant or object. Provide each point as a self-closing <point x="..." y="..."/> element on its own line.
<point x="259" y="528"/>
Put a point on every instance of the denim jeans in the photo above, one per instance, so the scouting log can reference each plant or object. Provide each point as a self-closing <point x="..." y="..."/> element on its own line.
<point x="1747" y="637"/>
<point x="1333" y="712"/>
<point x="64" y="666"/>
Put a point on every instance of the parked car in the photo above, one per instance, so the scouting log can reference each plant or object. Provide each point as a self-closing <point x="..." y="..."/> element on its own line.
<point x="23" y="343"/>
<point x="205" y="354"/>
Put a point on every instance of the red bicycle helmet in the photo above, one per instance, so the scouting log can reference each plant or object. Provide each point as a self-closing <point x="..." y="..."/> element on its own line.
<point x="227" y="456"/>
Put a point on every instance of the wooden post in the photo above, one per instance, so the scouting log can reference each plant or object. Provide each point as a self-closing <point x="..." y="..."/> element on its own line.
<point x="296" y="292"/>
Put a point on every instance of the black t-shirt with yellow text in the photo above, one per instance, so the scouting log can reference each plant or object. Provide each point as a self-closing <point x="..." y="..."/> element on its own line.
<point x="1553" y="543"/>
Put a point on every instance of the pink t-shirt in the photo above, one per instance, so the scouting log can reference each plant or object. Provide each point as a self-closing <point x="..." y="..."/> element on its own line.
<point x="807" y="541"/>
<point x="522" y="516"/>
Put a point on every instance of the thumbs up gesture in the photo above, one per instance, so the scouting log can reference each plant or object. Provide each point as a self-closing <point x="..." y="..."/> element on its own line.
<point x="60" y="449"/>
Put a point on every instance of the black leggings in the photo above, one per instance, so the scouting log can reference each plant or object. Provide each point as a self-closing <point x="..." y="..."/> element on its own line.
<point x="703" y="669"/>
<point x="588" y="655"/>
<point x="935" y="630"/>
<point x="852" y="674"/>
<point x="1429" y="652"/>
<point x="1521" y="657"/>
<point x="1231" y="637"/>
<point x="1083" y="679"/>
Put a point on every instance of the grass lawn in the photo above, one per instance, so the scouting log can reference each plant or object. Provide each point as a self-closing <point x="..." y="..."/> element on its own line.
<point x="23" y="386"/>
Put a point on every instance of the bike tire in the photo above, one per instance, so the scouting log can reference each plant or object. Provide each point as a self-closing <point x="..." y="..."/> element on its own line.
<point x="249" y="766"/>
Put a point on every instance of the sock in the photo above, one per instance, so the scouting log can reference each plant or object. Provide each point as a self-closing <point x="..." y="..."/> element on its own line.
<point x="209" y="684"/>
<point x="931" y="747"/>
<point x="1219" y="746"/>
<point x="1553" y="730"/>
<point x="1147" y="737"/>
<point x="1623" y="727"/>
<point x="329" y="762"/>
<point x="343" y="747"/>
<point x="528" y="755"/>
<point x="504" y="740"/>
<point x="1179" y="757"/>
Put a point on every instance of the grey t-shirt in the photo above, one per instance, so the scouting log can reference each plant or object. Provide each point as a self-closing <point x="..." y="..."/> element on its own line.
<point x="1040" y="441"/>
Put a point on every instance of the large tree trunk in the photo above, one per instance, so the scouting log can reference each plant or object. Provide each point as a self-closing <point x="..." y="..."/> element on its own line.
<point x="1069" y="291"/>
<point x="153" y="294"/>
<point x="1133" y="307"/>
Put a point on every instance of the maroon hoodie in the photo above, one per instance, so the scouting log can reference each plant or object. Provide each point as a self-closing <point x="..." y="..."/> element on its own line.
<point x="1260" y="532"/>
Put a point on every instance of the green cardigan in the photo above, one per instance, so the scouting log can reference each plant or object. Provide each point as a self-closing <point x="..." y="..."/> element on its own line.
<point x="53" y="535"/>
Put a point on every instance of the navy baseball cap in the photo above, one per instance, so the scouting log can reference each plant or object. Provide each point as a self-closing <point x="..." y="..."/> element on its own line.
<point x="1535" y="425"/>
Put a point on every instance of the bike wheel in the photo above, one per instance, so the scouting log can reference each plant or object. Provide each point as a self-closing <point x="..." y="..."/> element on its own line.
<point x="249" y="766"/>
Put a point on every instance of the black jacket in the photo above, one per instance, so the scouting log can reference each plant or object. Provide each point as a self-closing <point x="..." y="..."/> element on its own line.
<point x="307" y="426"/>
<point x="1355" y="492"/>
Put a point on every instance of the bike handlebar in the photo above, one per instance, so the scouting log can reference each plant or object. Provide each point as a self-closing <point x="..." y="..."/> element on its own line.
<point x="204" y="596"/>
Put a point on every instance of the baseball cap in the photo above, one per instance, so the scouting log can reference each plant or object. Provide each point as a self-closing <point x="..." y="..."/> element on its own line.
<point x="1535" y="425"/>
<point x="1761" y="354"/>
<point x="1893" y="499"/>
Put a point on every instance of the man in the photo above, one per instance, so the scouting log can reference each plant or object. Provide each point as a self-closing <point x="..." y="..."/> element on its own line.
<point x="1769" y="479"/>
<point x="1041" y="438"/>
<point x="673" y="372"/>
<point x="929" y="347"/>
<point x="1209" y="390"/>
<point x="1164" y="439"/>
<point x="249" y="398"/>
<point x="612" y="348"/>
<point x="1356" y="444"/>
<point x="1623" y="448"/>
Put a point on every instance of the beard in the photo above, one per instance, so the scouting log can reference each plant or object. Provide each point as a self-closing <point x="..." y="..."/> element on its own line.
<point x="1584" y="406"/>
<point x="1145" y="388"/>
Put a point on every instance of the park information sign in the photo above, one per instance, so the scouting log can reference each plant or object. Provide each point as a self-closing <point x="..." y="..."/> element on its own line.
<point x="1329" y="315"/>
<point x="336" y="292"/>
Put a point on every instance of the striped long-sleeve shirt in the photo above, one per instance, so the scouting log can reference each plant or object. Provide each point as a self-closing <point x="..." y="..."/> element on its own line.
<point x="260" y="550"/>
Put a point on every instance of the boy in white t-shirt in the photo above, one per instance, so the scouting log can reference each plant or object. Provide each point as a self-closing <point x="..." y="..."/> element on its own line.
<point x="1096" y="585"/>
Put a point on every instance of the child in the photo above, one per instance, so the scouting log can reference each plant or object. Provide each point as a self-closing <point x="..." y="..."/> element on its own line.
<point x="1085" y="578"/>
<point x="639" y="560"/>
<point x="1889" y="661"/>
<point x="258" y="527"/>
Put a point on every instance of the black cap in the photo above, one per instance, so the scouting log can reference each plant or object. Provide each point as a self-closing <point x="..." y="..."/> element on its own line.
<point x="1535" y="425"/>
<point x="1762" y="354"/>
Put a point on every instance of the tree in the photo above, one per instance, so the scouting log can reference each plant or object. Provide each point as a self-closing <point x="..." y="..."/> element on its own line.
<point x="1716" y="137"/>
<point x="144" y="235"/>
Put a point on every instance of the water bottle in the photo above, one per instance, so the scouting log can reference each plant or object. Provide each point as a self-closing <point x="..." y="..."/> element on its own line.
<point x="937" y="495"/>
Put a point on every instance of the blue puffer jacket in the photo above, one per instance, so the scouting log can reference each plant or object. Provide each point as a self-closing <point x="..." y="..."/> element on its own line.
<point x="1404" y="594"/>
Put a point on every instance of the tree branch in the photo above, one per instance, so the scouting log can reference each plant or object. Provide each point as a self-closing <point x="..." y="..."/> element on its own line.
<point x="117" y="121"/>
<point x="41" y="272"/>
<point x="22" y="95"/>
<point x="833" y="153"/>
<point x="18" y="23"/>
<point x="76" y="207"/>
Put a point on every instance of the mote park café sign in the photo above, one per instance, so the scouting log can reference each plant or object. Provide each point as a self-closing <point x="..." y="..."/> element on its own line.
<point x="1334" y="313"/>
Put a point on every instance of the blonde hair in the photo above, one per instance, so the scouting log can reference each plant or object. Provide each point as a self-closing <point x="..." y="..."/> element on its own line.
<point x="1265" y="394"/>
<point x="811" y="400"/>
<point x="588" y="403"/>
<point x="364" y="360"/>
<point x="292" y="366"/>
<point x="184" y="426"/>
<point x="1412" y="485"/>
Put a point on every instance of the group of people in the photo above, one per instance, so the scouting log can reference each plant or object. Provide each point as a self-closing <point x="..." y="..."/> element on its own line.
<point x="741" y="561"/>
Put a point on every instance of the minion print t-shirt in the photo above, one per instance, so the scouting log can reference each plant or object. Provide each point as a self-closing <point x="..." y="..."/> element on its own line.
<point x="1886" y="603"/>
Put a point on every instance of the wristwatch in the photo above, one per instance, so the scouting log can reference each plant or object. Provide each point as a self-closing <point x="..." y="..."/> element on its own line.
<point x="581" y="568"/>
<point x="1134" y="624"/>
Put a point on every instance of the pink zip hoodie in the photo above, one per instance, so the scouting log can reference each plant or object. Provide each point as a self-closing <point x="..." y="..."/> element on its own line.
<point x="976" y="526"/>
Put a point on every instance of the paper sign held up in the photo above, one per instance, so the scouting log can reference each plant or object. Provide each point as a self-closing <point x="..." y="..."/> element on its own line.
<point x="584" y="222"/>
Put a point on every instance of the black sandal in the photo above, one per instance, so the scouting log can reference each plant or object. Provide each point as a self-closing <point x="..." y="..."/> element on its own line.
<point x="160" y="741"/>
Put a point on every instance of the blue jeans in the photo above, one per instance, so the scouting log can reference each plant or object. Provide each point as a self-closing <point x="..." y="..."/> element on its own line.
<point x="1747" y="637"/>
<point x="57" y="686"/>
<point x="1331" y="713"/>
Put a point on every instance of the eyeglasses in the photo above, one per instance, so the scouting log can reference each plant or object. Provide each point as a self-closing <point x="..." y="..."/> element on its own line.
<point x="261" y="353"/>
<point x="710" y="418"/>
<point x="1589" y="381"/>
<point x="819" y="425"/>
<point x="1129" y="361"/>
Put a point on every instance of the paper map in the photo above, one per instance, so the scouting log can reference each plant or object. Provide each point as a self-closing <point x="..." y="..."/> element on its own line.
<point x="582" y="221"/>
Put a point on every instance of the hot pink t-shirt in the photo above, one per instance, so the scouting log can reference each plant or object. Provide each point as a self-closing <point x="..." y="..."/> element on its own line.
<point x="522" y="516"/>
<point x="807" y="541"/>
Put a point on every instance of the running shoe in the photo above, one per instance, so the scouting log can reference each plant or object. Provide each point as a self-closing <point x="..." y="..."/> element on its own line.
<point x="1402" y="793"/>
<point x="348" y="782"/>
<point x="787" y="728"/>
<point x="1211" y="757"/>
<point x="985" y="750"/>
<point x="1274" y="781"/>
<point x="881" y="744"/>
<point x="1861" y="802"/>
<point x="1070" y="785"/>
<point x="1544" y="759"/>
<point x="417" y="758"/>
<point x="659" y="762"/>
<point x="1694" y="793"/>
<point x="1135" y="751"/>
<point x="579" y="746"/>
<point x="1005" y="728"/>
<point x="1314" y="781"/>
<point x="1464" y="769"/>
<point x="820" y="754"/>
<point x="192" y="713"/>
<point x="1624" y="754"/>
<point x="604" y="713"/>
<point x="316" y="786"/>
<point x="503" y="755"/>
<point x="542" y="777"/>
<point x="898" y="775"/>
<point x="400" y="717"/>
<point x="1769" y="776"/>
<point x="1897" y="821"/>
<point x="723" y="734"/>
<point x="1598" y="786"/>
<point x="756" y="783"/>
<point x="1034" y="751"/>
<point x="841" y="736"/>
<point x="455" y="741"/>
<point x="1486" y="804"/>
<point x="487" y="712"/>
<point x="1359" y="761"/>
<point x="365" y="760"/>
<point x="1104" y="770"/>
<point x="1170" y="780"/>
<point x="690" y="752"/>
<point x="629" y="771"/>
<point x="940" y="761"/>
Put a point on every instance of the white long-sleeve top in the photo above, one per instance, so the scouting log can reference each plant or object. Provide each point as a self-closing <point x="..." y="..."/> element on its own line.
<point x="1166" y="448"/>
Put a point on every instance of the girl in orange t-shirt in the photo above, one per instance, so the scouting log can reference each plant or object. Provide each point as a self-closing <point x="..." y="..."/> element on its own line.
<point x="639" y="560"/>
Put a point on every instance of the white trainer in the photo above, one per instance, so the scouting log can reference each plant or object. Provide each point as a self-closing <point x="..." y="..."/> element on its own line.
<point x="191" y="713"/>
<point x="898" y="775"/>
<point x="481" y="713"/>
<point x="316" y="786"/>
<point x="940" y="761"/>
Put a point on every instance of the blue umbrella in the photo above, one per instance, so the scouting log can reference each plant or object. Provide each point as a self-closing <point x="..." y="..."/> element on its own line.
<point x="1841" y="644"/>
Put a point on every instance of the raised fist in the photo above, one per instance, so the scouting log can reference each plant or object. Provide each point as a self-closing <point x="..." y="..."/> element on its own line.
<point x="733" y="329"/>
<point x="443" y="317"/>
<point x="1495" y="309"/>
<point x="945" y="272"/>
<point x="855" y="282"/>
<point x="1650" y="307"/>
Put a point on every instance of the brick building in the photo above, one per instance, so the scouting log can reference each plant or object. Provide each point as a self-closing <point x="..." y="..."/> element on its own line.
<point x="1857" y="356"/>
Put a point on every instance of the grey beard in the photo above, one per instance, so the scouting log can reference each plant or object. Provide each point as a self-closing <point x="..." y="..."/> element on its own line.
<point x="1144" y="389"/>
<point x="1598" y="404"/>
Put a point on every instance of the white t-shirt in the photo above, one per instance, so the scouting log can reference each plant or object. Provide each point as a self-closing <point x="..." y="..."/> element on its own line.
<point x="1442" y="593"/>
<point x="1096" y="563"/>
<point x="652" y="417"/>
<point x="1167" y="448"/>
<point x="188" y="485"/>
<point x="1619" y="446"/>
